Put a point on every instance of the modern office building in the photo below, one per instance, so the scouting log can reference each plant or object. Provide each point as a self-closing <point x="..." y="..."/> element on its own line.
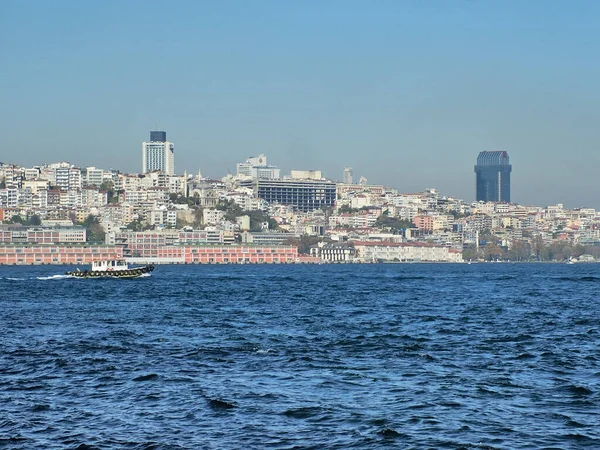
<point x="493" y="177"/>
<point x="348" y="175"/>
<point x="158" y="154"/>
<point x="257" y="168"/>
<point x="303" y="195"/>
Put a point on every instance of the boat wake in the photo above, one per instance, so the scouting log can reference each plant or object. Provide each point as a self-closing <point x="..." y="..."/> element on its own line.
<point x="55" y="277"/>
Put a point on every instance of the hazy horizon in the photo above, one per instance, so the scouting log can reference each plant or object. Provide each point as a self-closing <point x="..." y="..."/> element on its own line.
<point x="405" y="93"/>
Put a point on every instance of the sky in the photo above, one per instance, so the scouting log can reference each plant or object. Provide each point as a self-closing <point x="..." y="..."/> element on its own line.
<point x="406" y="92"/>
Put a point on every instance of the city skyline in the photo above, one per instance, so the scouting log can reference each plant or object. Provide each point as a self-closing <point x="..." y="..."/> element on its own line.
<point x="404" y="93"/>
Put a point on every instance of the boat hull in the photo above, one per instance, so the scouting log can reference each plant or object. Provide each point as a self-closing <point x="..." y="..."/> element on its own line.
<point x="134" y="272"/>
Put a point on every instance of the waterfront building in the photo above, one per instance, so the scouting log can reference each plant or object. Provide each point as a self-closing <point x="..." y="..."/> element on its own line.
<point x="234" y="254"/>
<point x="56" y="254"/>
<point x="158" y="154"/>
<point x="493" y="177"/>
<point x="333" y="252"/>
<point x="405" y="252"/>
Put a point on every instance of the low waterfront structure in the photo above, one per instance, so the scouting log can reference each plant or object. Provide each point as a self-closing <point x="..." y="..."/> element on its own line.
<point x="56" y="254"/>
<point x="405" y="252"/>
<point x="333" y="252"/>
<point x="188" y="254"/>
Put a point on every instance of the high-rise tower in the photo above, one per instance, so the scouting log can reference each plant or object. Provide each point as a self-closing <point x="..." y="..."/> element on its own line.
<point x="493" y="177"/>
<point x="348" y="175"/>
<point x="158" y="154"/>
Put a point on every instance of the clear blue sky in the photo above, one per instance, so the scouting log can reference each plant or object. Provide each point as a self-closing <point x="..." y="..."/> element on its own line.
<point x="405" y="92"/>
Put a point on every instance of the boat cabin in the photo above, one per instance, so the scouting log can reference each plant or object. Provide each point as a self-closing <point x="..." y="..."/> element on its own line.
<point x="109" y="265"/>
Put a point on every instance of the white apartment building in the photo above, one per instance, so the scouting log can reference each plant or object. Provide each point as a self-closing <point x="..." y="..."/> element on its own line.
<point x="158" y="154"/>
<point x="67" y="178"/>
<point x="95" y="176"/>
<point x="212" y="216"/>
<point x="162" y="217"/>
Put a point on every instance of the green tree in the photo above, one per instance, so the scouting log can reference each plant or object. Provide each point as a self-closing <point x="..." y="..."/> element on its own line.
<point x="492" y="252"/>
<point x="305" y="242"/>
<point x="34" y="220"/>
<point x="393" y="224"/>
<point x="472" y="253"/>
<point x="198" y="214"/>
<point x="519" y="251"/>
<point x="346" y="209"/>
<point x="459" y="215"/>
<point x="137" y="225"/>
<point x="95" y="232"/>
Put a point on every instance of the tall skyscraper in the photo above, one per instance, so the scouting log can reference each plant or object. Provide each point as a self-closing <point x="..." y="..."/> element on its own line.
<point x="493" y="177"/>
<point x="158" y="154"/>
<point x="348" y="175"/>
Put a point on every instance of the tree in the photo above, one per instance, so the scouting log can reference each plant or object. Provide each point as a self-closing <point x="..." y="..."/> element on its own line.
<point x="34" y="220"/>
<point x="472" y="253"/>
<point x="95" y="232"/>
<point x="519" y="251"/>
<point x="394" y="224"/>
<point x="137" y="225"/>
<point x="257" y="217"/>
<point x="181" y="199"/>
<point x="537" y="247"/>
<point x="109" y="187"/>
<point x="346" y="209"/>
<point x="198" y="214"/>
<point x="16" y="219"/>
<point x="113" y="196"/>
<point x="492" y="252"/>
<point x="459" y="215"/>
<point x="305" y="242"/>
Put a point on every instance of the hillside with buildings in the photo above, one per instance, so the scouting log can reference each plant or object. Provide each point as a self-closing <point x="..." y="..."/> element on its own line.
<point x="59" y="213"/>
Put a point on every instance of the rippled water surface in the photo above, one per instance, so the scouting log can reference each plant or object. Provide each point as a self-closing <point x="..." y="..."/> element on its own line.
<point x="329" y="356"/>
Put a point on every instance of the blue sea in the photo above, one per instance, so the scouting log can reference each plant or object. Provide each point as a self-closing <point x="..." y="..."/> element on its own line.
<point x="410" y="356"/>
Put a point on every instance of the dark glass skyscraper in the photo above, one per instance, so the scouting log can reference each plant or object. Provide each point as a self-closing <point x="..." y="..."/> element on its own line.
<point x="493" y="177"/>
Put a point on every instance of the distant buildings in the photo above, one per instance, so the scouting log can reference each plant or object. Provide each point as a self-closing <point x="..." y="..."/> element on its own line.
<point x="257" y="168"/>
<point x="347" y="175"/>
<point x="304" y="195"/>
<point x="158" y="154"/>
<point x="493" y="177"/>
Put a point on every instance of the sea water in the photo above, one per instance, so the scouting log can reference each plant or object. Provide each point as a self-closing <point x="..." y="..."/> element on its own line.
<point x="413" y="356"/>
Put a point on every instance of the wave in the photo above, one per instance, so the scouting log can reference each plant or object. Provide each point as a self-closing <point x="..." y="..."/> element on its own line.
<point x="217" y="404"/>
<point x="585" y="278"/>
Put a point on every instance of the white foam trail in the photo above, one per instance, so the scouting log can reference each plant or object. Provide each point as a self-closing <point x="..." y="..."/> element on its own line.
<point x="54" y="277"/>
<point x="15" y="279"/>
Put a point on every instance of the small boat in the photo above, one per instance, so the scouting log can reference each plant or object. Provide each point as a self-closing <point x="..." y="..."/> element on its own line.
<point x="111" y="268"/>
